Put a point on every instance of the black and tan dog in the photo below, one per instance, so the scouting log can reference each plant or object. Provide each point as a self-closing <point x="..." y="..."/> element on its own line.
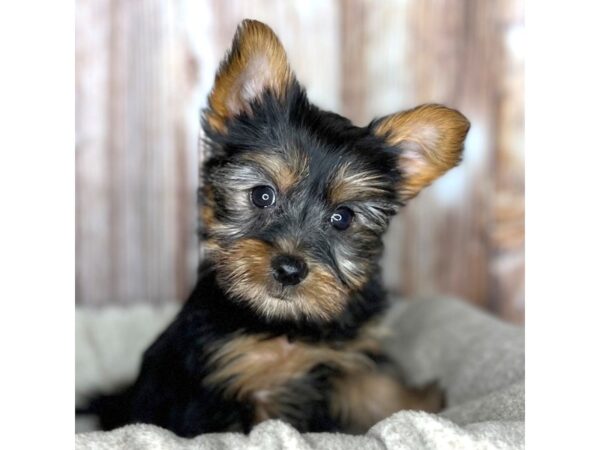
<point x="295" y="201"/>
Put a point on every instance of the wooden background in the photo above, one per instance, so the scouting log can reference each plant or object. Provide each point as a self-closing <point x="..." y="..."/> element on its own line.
<point x="144" y="68"/>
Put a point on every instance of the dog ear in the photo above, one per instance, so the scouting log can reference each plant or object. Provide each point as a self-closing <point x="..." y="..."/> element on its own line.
<point x="429" y="140"/>
<point x="255" y="63"/>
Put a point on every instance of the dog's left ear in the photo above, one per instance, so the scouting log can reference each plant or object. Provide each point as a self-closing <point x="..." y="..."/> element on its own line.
<point x="256" y="62"/>
<point x="429" y="140"/>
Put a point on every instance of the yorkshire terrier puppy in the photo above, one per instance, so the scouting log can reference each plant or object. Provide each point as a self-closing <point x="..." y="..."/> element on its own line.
<point x="295" y="201"/>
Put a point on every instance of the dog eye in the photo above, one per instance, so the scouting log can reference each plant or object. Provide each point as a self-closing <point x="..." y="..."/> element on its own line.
<point x="341" y="218"/>
<point x="263" y="196"/>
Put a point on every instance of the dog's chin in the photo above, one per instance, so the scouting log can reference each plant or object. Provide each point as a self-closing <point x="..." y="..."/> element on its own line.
<point x="286" y="304"/>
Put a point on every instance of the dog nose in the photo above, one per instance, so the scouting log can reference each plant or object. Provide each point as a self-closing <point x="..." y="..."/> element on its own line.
<point x="289" y="270"/>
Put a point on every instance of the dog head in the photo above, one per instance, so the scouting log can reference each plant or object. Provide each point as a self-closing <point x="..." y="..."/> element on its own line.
<point x="295" y="199"/>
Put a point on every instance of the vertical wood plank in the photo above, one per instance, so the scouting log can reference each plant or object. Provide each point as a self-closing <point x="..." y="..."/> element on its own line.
<point x="140" y="246"/>
<point x="451" y="60"/>
<point x="507" y="230"/>
<point x="92" y="202"/>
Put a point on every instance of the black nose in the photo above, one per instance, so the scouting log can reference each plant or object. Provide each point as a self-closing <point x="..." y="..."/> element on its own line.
<point x="289" y="270"/>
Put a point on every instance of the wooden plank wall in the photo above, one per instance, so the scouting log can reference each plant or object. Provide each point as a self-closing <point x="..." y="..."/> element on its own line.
<point x="143" y="70"/>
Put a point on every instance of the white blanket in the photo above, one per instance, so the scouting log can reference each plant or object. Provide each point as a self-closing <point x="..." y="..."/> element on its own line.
<point x="478" y="360"/>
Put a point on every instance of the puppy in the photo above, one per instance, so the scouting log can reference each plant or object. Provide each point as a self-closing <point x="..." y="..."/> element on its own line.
<point x="295" y="200"/>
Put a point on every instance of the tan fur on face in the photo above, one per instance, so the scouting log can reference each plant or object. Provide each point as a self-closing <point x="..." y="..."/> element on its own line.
<point x="244" y="271"/>
<point x="208" y="211"/>
<point x="255" y="63"/>
<point x="247" y="265"/>
<point x="347" y="186"/>
<point x="431" y="141"/>
<point x="257" y="369"/>
<point x="286" y="170"/>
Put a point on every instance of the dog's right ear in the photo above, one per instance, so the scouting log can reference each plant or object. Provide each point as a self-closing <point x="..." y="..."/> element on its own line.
<point x="255" y="63"/>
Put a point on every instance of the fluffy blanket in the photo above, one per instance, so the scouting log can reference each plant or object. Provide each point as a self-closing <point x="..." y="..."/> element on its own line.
<point x="478" y="360"/>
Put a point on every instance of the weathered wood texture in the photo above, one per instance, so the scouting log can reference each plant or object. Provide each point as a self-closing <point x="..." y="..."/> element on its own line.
<point x="144" y="67"/>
